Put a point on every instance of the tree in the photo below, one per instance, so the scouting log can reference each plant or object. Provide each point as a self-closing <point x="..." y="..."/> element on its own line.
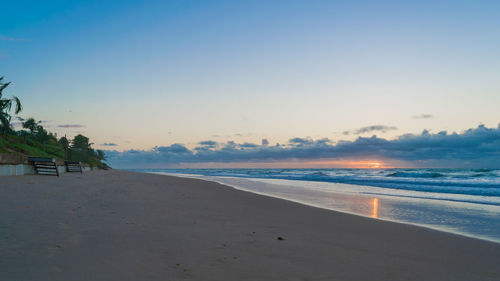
<point x="101" y="155"/>
<point x="63" y="142"/>
<point x="6" y="106"/>
<point x="81" y="149"/>
<point x="37" y="131"/>
<point x="81" y="142"/>
<point x="42" y="135"/>
<point x="31" y="124"/>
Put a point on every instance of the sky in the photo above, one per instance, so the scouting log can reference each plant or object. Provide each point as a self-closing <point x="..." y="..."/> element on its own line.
<point x="153" y="80"/>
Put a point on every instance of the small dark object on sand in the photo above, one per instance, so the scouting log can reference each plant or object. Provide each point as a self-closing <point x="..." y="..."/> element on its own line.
<point x="280" y="238"/>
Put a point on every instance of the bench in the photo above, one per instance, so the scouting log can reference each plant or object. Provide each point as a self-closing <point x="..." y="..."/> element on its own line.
<point x="73" y="166"/>
<point x="44" y="166"/>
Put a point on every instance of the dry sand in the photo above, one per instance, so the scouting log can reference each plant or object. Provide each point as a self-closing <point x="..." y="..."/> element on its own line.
<point x="113" y="225"/>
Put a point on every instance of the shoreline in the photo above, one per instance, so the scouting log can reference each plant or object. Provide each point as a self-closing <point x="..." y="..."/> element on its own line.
<point x="117" y="225"/>
<point x="305" y="203"/>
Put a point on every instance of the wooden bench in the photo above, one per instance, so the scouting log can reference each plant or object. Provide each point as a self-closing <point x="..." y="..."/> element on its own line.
<point x="73" y="166"/>
<point x="44" y="166"/>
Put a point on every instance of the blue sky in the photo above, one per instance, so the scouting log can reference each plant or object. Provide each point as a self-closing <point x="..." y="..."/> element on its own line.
<point x="144" y="74"/>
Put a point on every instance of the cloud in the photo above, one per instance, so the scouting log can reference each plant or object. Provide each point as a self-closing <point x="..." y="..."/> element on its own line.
<point x="265" y="142"/>
<point x="248" y="145"/>
<point x="109" y="144"/>
<point x="476" y="147"/>
<point x="369" y="129"/>
<point x="423" y="116"/>
<point x="5" y="38"/>
<point x="71" y="126"/>
<point x="300" y="141"/>
<point x="209" y="143"/>
<point x="206" y="145"/>
<point x="174" y="149"/>
<point x="242" y="135"/>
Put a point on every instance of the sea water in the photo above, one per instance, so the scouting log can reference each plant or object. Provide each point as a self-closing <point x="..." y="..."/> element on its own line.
<point x="461" y="201"/>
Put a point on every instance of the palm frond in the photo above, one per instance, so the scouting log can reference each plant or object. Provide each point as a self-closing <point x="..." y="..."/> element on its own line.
<point x="3" y="86"/>
<point x="7" y="105"/>
<point x="4" y="104"/>
<point x="19" y="106"/>
<point x="5" y="120"/>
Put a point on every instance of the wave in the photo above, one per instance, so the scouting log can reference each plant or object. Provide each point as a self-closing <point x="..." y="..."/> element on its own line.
<point x="483" y="182"/>
<point x="415" y="175"/>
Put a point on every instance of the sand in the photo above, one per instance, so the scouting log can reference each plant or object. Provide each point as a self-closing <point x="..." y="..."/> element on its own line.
<point x="115" y="225"/>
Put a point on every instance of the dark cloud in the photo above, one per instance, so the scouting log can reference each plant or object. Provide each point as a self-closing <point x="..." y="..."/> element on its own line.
<point x="109" y="144"/>
<point x="248" y="145"/>
<point x="177" y="149"/>
<point x="477" y="147"/>
<point x="423" y="116"/>
<point x="370" y="129"/>
<point x="300" y="141"/>
<point x="265" y="142"/>
<point x="206" y="145"/>
<point x="210" y="143"/>
<point x="71" y="126"/>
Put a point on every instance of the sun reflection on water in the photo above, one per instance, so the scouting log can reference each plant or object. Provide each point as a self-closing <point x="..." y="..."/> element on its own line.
<point x="375" y="208"/>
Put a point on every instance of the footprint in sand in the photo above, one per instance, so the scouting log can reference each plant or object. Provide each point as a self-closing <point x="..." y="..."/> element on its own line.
<point x="182" y="270"/>
<point x="53" y="250"/>
<point x="74" y="239"/>
<point x="63" y="226"/>
<point x="221" y="260"/>
<point x="55" y="269"/>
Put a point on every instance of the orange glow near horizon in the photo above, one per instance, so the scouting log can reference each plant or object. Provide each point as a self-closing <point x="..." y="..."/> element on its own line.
<point x="318" y="164"/>
<point x="375" y="208"/>
<point x="361" y="164"/>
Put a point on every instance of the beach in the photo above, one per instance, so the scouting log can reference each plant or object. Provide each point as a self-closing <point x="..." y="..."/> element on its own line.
<point x="117" y="225"/>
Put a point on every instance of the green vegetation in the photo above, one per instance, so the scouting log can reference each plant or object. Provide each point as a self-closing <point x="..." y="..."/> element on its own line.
<point x="5" y="108"/>
<point x="36" y="141"/>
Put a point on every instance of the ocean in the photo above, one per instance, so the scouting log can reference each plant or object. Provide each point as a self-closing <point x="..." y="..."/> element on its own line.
<point x="461" y="201"/>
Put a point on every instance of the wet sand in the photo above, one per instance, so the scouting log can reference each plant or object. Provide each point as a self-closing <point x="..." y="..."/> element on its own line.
<point x="115" y="225"/>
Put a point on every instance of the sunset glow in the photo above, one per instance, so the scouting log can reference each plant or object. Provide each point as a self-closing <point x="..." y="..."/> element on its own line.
<point x="350" y="164"/>
<point x="375" y="208"/>
<point x="324" y="164"/>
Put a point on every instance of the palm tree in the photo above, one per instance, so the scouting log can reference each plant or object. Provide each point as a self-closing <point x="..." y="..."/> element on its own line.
<point x="31" y="124"/>
<point x="65" y="144"/>
<point x="5" y="107"/>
